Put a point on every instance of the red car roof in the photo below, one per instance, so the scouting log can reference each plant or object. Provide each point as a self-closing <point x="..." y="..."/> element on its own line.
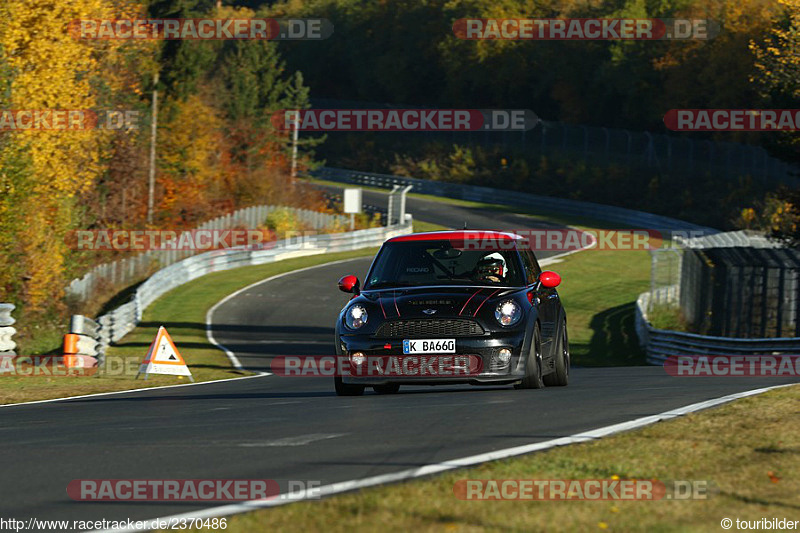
<point x="457" y="235"/>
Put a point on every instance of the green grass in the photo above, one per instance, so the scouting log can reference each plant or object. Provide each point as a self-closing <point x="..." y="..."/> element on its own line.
<point x="746" y="450"/>
<point x="599" y="290"/>
<point x="667" y="317"/>
<point x="421" y="226"/>
<point x="42" y="337"/>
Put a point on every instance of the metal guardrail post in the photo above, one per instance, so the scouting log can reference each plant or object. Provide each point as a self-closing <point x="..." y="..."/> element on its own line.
<point x="7" y="344"/>
<point x="82" y="343"/>
<point x="397" y="204"/>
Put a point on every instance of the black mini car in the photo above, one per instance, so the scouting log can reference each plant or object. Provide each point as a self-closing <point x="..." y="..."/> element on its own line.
<point x="452" y="307"/>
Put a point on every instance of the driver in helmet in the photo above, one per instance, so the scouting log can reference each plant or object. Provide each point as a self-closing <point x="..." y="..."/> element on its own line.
<point x="491" y="268"/>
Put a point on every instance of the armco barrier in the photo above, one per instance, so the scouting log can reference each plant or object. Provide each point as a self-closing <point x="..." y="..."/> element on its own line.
<point x="82" y="325"/>
<point x="661" y="343"/>
<point x="618" y="215"/>
<point x="7" y="345"/>
<point x="83" y="339"/>
<point x="124" y="272"/>
<point x="119" y="322"/>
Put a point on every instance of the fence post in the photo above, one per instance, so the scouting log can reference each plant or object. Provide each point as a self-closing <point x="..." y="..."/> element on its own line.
<point x="81" y="343"/>
<point x="7" y="345"/>
<point x="652" y="280"/>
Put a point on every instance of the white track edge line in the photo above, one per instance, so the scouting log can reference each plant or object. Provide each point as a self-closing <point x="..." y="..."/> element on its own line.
<point x="435" y="468"/>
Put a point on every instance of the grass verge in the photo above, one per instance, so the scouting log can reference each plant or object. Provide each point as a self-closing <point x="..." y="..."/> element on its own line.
<point x="747" y="450"/>
<point x="668" y="317"/>
<point x="600" y="304"/>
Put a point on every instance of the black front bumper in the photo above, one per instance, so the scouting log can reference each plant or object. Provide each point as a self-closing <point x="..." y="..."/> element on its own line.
<point x="485" y="347"/>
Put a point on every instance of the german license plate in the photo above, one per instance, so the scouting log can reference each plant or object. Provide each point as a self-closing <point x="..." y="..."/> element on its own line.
<point x="413" y="346"/>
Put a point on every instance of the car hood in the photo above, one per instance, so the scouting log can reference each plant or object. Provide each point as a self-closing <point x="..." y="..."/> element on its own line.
<point x="434" y="302"/>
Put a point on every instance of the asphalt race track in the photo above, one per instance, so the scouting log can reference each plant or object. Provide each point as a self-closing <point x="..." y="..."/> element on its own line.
<point x="289" y="428"/>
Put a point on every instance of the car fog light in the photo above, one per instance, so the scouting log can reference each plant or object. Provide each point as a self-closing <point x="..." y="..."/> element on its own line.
<point x="358" y="358"/>
<point x="504" y="355"/>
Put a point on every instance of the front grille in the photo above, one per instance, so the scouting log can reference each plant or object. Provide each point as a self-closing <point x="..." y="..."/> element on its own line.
<point x="429" y="328"/>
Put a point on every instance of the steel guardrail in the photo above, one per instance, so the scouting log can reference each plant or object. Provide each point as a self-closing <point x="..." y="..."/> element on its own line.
<point x="129" y="270"/>
<point x="7" y="344"/>
<point x="659" y="344"/>
<point x="619" y="215"/>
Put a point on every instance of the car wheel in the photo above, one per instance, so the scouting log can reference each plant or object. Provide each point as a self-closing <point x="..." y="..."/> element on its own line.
<point x="560" y="378"/>
<point x="533" y="366"/>
<point x="346" y="389"/>
<point x="389" y="388"/>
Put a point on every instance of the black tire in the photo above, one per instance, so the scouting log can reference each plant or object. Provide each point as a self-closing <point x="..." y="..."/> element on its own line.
<point x="533" y="366"/>
<point x="560" y="378"/>
<point x="345" y="389"/>
<point x="389" y="388"/>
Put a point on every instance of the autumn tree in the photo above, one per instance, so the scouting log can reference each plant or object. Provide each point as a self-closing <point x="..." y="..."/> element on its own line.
<point x="189" y="173"/>
<point x="46" y="68"/>
<point x="777" y="72"/>
<point x="254" y="83"/>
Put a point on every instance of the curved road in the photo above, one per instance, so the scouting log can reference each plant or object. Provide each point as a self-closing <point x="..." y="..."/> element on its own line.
<point x="280" y="428"/>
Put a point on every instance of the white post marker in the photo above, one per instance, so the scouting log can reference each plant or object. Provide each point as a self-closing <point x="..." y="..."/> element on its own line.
<point x="352" y="204"/>
<point x="163" y="358"/>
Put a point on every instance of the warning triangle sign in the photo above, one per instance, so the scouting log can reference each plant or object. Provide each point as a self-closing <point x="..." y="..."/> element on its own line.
<point x="163" y="358"/>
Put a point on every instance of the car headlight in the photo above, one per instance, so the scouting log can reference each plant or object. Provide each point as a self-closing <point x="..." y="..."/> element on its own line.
<point x="355" y="317"/>
<point x="507" y="313"/>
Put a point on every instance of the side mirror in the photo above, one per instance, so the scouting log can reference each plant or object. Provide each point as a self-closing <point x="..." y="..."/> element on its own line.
<point x="549" y="279"/>
<point x="349" y="284"/>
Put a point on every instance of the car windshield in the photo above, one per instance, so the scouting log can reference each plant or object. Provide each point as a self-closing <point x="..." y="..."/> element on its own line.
<point x="415" y="263"/>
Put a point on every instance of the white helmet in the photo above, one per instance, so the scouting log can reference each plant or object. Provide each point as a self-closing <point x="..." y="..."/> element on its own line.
<point x="493" y="264"/>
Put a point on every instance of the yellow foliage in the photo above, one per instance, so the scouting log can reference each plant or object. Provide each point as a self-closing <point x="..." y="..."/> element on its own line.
<point x="189" y="146"/>
<point x="778" y="55"/>
<point x="50" y="70"/>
